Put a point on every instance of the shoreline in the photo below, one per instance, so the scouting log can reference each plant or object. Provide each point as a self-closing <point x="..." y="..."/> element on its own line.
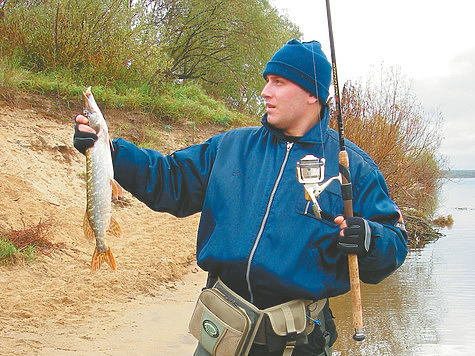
<point x="146" y="326"/>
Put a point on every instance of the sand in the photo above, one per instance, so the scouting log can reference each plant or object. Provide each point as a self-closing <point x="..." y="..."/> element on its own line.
<point x="56" y="305"/>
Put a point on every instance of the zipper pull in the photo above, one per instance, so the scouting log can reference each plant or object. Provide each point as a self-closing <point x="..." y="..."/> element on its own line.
<point x="318" y="322"/>
<point x="289" y="146"/>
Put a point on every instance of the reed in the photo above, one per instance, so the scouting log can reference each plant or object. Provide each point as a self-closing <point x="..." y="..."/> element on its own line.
<point x="386" y="120"/>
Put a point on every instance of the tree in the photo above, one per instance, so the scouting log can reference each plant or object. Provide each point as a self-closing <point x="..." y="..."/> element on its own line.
<point x="222" y="44"/>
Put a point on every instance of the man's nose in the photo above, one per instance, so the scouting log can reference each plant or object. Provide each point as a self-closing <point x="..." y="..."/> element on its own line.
<point x="265" y="91"/>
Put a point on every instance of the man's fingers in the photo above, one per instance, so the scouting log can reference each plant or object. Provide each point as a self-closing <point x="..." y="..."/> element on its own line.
<point x="343" y="226"/>
<point x="340" y="220"/>
<point x="82" y="119"/>
<point x="84" y="124"/>
<point x="86" y="128"/>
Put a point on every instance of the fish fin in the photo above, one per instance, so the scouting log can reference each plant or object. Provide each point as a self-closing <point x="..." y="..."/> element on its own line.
<point x="108" y="139"/>
<point x="87" y="228"/>
<point x="117" y="190"/>
<point x="99" y="257"/>
<point x="114" y="228"/>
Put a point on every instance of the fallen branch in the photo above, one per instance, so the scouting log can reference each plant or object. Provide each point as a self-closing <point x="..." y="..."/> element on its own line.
<point x="420" y="229"/>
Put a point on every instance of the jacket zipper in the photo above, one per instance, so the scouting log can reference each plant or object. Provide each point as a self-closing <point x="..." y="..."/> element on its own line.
<point x="264" y="219"/>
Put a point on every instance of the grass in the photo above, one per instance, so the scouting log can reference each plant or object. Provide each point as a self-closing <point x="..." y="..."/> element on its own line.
<point x="11" y="255"/>
<point x="24" y="245"/>
<point x="174" y="101"/>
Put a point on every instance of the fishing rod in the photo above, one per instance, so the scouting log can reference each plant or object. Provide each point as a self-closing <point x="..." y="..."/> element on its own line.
<point x="346" y="192"/>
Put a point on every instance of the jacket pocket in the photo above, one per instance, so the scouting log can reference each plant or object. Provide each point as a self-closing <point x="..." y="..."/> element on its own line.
<point x="323" y="232"/>
<point x="305" y="208"/>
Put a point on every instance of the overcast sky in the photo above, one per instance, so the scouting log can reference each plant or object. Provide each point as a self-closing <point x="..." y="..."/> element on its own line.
<point x="431" y="42"/>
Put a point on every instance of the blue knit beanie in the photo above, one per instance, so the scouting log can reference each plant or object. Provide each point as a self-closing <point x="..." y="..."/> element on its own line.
<point x="297" y="62"/>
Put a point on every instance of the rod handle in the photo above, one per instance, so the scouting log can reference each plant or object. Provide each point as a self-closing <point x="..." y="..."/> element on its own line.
<point x="357" y="309"/>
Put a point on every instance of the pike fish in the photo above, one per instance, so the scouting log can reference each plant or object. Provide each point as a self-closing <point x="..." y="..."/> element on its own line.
<point x="100" y="186"/>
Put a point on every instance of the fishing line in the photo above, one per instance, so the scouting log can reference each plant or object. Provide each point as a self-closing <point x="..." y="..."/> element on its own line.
<point x="320" y="118"/>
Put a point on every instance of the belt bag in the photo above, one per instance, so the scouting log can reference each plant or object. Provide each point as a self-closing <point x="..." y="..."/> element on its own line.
<point x="224" y="323"/>
<point x="286" y="326"/>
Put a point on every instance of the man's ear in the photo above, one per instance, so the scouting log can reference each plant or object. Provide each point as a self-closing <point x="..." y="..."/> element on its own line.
<point x="312" y="99"/>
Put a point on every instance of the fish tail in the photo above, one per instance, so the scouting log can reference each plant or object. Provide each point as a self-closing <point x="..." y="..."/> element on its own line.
<point x="99" y="257"/>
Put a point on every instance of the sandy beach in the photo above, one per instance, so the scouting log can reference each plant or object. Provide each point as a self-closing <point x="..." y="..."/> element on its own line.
<point x="55" y="304"/>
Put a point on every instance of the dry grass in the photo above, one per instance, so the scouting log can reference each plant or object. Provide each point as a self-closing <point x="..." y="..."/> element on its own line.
<point x="444" y="221"/>
<point x="386" y="121"/>
<point x="23" y="245"/>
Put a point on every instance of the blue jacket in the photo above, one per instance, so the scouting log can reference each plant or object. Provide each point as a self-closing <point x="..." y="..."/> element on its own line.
<point x="257" y="231"/>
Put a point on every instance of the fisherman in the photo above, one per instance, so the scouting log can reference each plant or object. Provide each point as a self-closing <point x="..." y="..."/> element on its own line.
<point x="257" y="233"/>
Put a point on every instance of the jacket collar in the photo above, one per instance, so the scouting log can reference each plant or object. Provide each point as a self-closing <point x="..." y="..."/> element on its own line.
<point x="317" y="134"/>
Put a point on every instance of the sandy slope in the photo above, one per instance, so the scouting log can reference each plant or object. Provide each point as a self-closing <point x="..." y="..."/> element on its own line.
<point x="56" y="305"/>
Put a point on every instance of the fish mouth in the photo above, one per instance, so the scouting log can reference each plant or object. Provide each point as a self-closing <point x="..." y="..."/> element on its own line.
<point x="85" y="97"/>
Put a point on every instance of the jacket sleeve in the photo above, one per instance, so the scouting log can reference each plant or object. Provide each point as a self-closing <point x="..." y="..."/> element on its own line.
<point x="388" y="248"/>
<point x="174" y="183"/>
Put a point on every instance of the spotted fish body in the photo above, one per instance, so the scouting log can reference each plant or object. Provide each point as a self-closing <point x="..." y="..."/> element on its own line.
<point x="100" y="186"/>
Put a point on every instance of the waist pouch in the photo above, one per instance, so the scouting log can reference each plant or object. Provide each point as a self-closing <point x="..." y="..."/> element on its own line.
<point x="286" y="326"/>
<point x="226" y="324"/>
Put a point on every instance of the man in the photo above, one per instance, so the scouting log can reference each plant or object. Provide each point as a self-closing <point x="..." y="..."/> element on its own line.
<point x="257" y="231"/>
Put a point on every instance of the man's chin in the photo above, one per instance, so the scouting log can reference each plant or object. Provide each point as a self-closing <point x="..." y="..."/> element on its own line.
<point x="271" y="119"/>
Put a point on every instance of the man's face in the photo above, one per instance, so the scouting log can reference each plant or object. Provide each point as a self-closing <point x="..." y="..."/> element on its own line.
<point x="289" y="107"/>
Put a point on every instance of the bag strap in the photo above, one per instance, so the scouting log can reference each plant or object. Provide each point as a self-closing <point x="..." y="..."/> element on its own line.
<point x="289" y="320"/>
<point x="289" y="349"/>
<point x="291" y="331"/>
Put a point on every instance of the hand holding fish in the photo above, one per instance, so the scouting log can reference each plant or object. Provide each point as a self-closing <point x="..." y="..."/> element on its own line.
<point x="83" y="124"/>
<point x="84" y="135"/>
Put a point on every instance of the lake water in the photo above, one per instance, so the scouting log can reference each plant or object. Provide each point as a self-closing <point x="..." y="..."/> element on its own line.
<point x="427" y="307"/>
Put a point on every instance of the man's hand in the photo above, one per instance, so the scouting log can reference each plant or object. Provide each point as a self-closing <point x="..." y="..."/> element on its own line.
<point x="84" y="135"/>
<point x="355" y="235"/>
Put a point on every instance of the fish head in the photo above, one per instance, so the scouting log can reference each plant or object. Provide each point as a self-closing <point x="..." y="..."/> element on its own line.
<point x="92" y="111"/>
